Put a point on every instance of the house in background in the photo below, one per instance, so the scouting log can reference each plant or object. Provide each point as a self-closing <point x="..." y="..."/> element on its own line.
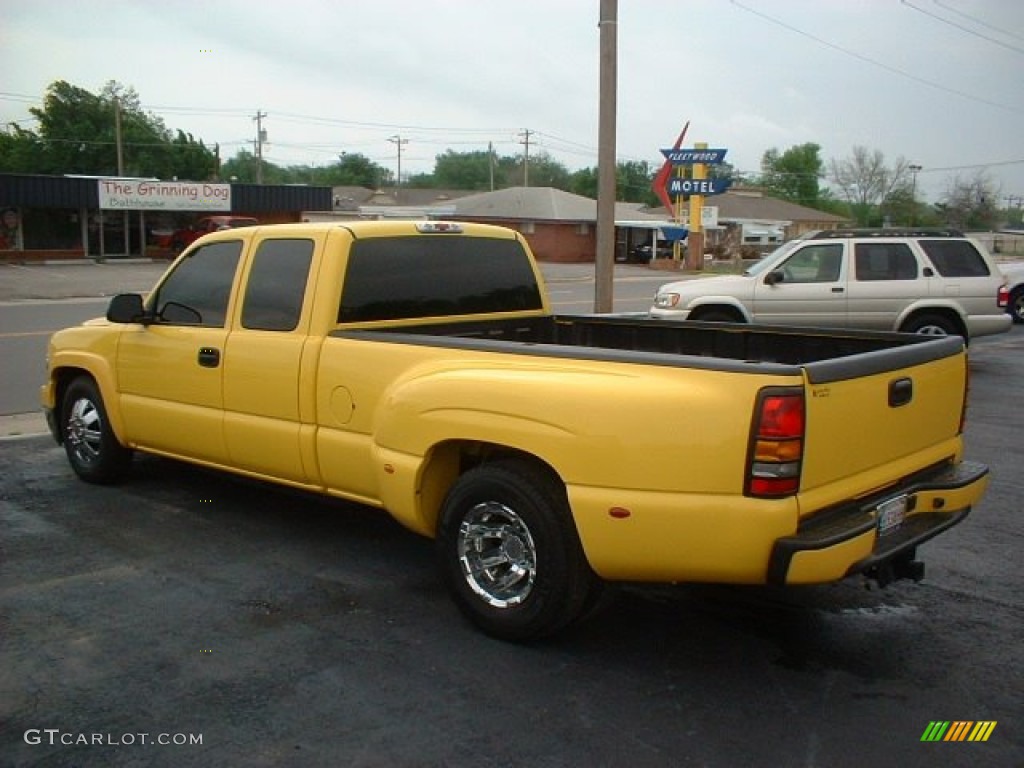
<point x="558" y="225"/>
<point x="749" y="222"/>
<point x="561" y="226"/>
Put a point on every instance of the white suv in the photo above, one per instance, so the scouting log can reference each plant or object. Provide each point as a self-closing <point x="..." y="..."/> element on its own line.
<point x="934" y="281"/>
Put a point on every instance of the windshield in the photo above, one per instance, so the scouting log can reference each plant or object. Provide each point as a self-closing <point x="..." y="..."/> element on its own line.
<point x="772" y="258"/>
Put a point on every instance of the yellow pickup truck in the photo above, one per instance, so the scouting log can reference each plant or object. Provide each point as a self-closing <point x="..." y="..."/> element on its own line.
<point x="417" y="367"/>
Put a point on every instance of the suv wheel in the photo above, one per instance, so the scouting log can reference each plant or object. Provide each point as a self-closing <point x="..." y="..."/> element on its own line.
<point x="1016" y="305"/>
<point x="930" y="325"/>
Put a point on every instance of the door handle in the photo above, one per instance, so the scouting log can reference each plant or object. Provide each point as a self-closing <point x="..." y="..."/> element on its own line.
<point x="209" y="357"/>
<point x="837" y="289"/>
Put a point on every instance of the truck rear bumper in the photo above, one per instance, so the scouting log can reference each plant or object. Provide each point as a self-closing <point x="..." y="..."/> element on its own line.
<point x="847" y="540"/>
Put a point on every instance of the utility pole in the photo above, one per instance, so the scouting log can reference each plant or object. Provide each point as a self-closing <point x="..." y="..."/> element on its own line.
<point x="398" y="141"/>
<point x="605" y="257"/>
<point x="913" y="191"/>
<point x="261" y="137"/>
<point x="120" y="167"/>
<point x="526" y="156"/>
<point x="490" y="161"/>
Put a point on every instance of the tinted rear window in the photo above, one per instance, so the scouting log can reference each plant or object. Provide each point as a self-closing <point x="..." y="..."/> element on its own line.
<point x="391" y="278"/>
<point x="955" y="258"/>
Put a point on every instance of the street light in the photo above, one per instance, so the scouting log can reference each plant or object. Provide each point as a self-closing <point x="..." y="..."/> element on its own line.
<point x="913" y="191"/>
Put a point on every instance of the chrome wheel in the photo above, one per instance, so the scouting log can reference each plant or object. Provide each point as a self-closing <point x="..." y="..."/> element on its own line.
<point x="83" y="431"/>
<point x="932" y="330"/>
<point x="92" y="447"/>
<point x="497" y="554"/>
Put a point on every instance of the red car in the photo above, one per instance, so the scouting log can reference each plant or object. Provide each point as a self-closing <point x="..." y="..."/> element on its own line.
<point x="182" y="238"/>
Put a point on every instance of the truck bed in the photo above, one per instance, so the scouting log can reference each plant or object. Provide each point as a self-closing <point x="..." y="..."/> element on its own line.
<point x="826" y="354"/>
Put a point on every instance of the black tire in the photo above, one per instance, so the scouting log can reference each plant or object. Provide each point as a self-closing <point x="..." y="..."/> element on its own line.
<point x="91" y="446"/>
<point x="716" y="316"/>
<point x="510" y="554"/>
<point x="1016" y="305"/>
<point x="930" y="325"/>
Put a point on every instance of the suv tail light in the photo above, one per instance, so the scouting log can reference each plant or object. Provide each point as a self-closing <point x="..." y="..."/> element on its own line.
<point x="776" y="445"/>
<point x="1003" y="297"/>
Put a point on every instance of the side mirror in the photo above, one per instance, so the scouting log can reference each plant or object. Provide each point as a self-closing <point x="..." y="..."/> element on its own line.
<point x="127" y="308"/>
<point x="774" y="277"/>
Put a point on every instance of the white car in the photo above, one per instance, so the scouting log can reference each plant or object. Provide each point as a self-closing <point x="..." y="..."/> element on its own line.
<point x="934" y="281"/>
<point x="1015" y="288"/>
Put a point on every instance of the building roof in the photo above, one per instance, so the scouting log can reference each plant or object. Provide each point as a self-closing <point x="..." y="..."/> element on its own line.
<point x="753" y="205"/>
<point x="540" y="204"/>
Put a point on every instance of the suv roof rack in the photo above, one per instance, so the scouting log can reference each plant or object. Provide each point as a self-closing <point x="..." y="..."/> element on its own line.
<point x="831" y="234"/>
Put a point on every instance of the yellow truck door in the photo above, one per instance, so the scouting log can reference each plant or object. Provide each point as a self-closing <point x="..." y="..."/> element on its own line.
<point x="170" y="371"/>
<point x="269" y="364"/>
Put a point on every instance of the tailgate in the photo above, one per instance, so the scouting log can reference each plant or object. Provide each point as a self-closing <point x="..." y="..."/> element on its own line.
<point x="877" y="417"/>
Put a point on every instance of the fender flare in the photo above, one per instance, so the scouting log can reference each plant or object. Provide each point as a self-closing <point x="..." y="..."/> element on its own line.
<point x="67" y="365"/>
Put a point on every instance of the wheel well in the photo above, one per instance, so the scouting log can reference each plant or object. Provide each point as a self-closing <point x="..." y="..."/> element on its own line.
<point x="945" y="313"/>
<point x="717" y="309"/>
<point x="447" y="461"/>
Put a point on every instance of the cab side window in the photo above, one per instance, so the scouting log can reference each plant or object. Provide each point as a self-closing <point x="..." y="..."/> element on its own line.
<point x="277" y="285"/>
<point x="198" y="290"/>
<point x="814" y="264"/>
<point x="885" y="261"/>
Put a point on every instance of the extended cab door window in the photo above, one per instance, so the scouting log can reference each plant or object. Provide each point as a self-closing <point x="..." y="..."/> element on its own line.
<point x="811" y="291"/>
<point x="277" y="285"/>
<point x="197" y="291"/>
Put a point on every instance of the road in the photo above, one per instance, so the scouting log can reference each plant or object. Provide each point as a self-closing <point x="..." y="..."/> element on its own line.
<point x="279" y="629"/>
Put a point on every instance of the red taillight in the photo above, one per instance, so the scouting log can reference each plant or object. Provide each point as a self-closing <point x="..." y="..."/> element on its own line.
<point x="1003" y="297"/>
<point x="776" y="443"/>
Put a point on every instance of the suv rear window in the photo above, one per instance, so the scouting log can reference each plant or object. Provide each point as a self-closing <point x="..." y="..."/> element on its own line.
<point x="391" y="278"/>
<point x="955" y="258"/>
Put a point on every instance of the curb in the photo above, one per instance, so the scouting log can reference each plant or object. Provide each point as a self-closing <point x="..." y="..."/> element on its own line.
<point x="20" y="425"/>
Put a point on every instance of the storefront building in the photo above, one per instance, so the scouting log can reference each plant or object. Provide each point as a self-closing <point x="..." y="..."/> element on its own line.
<point x="89" y="217"/>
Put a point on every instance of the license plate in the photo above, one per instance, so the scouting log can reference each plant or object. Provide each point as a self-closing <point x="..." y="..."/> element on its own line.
<point x="891" y="514"/>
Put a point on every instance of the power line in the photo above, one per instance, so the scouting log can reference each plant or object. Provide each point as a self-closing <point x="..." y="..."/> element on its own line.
<point x="962" y="27"/>
<point x="871" y="61"/>
<point x="978" y="21"/>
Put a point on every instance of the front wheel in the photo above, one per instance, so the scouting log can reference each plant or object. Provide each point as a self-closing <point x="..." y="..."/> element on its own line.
<point x="91" y="446"/>
<point x="510" y="554"/>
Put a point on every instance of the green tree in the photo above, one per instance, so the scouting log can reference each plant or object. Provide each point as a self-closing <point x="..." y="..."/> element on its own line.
<point x="632" y="182"/>
<point x="242" y="168"/>
<point x="77" y="133"/>
<point x="544" y="171"/>
<point x="793" y="175"/>
<point x="584" y="182"/>
<point x="354" y="170"/>
<point x="466" y="170"/>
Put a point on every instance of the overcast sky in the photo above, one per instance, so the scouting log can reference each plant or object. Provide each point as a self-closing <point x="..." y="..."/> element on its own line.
<point x="937" y="82"/>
